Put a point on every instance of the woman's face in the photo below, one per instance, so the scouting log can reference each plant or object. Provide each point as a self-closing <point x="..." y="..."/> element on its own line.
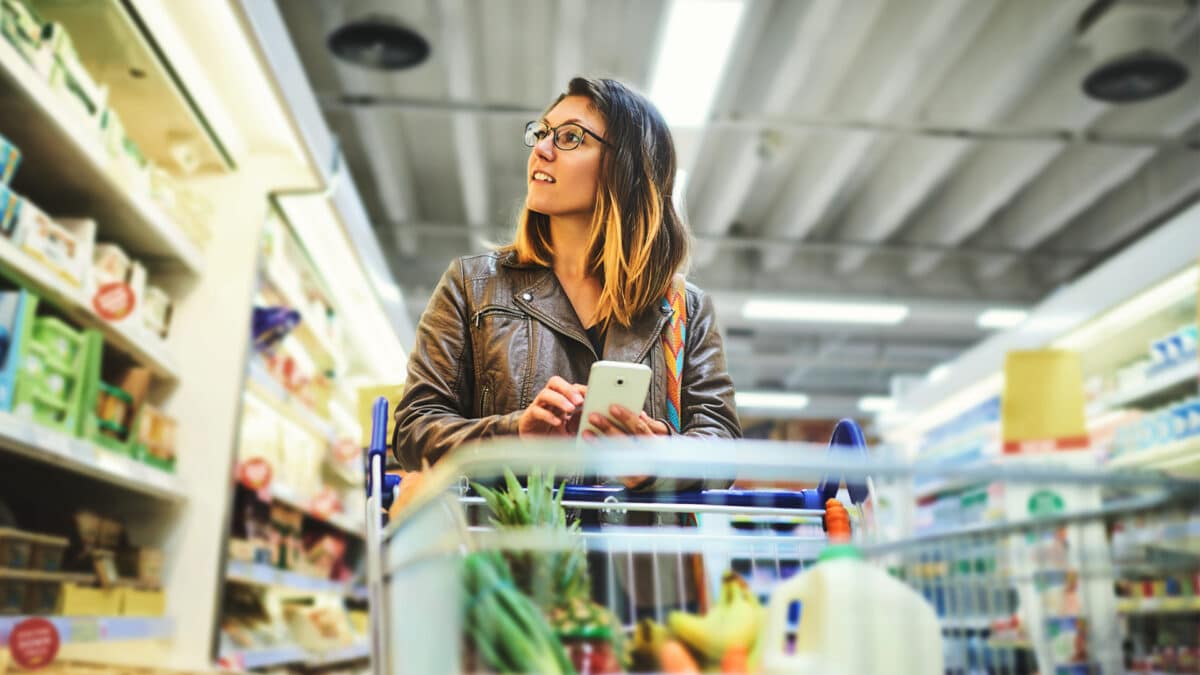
<point x="566" y="180"/>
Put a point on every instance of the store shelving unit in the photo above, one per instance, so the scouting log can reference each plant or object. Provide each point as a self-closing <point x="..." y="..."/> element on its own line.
<point x="145" y="349"/>
<point x="23" y="437"/>
<point x="260" y="384"/>
<point x="266" y="576"/>
<point x="90" y="629"/>
<point x="1174" y="378"/>
<point x="73" y="168"/>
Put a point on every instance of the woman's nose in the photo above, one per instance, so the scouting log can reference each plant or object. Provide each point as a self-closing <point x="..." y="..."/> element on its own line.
<point x="545" y="147"/>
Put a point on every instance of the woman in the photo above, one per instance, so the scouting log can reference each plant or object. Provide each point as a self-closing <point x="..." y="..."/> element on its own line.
<point x="506" y="342"/>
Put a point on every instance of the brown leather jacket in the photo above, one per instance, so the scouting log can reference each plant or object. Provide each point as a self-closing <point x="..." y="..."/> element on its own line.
<point x="494" y="333"/>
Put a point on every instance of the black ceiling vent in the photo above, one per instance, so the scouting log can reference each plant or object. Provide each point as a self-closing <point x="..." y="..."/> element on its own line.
<point x="380" y="43"/>
<point x="1135" y="77"/>
<point x="1131" y="46"/>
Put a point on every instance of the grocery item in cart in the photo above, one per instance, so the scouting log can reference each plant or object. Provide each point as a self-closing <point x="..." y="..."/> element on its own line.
<point x="853" y="617"/>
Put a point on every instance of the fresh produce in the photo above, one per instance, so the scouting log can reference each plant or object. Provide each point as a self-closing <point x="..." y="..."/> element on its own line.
<point x="734" y="622"/>
<point x="673" y="657"/>
<point x="649" y="636"/>
<point x="556" y="580"/>
<point x="549" y="577"/>
<point x="506" y="629"/>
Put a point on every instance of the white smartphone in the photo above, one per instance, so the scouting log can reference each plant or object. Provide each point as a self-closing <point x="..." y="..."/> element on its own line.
<point x="614" y="383"/>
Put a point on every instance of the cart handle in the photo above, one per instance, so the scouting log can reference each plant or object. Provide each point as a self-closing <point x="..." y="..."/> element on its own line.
<point x="847" y="439"/>
<point x="378" y="448"/>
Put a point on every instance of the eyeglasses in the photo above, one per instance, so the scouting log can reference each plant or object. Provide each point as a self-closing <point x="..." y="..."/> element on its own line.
<point x="567" y="136"/>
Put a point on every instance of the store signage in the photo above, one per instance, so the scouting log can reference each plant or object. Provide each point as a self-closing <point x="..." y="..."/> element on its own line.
<point x="33" y="643"/>
<point x="113" y="301"/>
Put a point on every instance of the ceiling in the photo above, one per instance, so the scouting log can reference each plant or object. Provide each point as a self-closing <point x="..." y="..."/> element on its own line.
<point x="936" y="153"/>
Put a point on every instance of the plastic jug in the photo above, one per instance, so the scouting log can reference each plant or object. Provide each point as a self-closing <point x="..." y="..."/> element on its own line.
<point x="854" y="618"/>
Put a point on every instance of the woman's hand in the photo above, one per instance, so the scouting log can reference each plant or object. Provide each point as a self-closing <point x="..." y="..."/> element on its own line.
<point x="554" y="411"/>
<point x="625" y="423"/>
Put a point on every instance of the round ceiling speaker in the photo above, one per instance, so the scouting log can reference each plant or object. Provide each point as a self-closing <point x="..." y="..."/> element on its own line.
<point x="1135" y="77"/>
<point x="378" y="43"/>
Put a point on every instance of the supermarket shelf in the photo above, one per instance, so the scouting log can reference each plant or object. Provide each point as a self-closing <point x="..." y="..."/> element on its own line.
<point x="270" y="657"/>
<point x="962" y="624"/>
<point x="1162" y="382"/>
<point x="1176" y="605"/>
<point x="83" y="629"/>
<point x="1175" y="455"/>
<point x="356" y="652"/>
<point x="145" y="348"/>
<point x="23" y="437"/>
<point x="265" y="576"/>
<point x="264" y="387"/>
<point x="283" y="494"/>
<point x="318" y="345"/>
<point x="1010" y="644"/>
<point x="66" y="168"/>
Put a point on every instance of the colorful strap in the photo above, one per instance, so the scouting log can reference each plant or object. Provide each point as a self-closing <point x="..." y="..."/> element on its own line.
<point x="674" y="340"/>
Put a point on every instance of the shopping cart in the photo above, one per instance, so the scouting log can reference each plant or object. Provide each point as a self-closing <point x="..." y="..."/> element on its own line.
<point x="1047" y="573"/>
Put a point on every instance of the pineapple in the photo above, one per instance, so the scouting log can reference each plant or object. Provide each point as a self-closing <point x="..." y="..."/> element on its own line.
<point x="557" y="581"/>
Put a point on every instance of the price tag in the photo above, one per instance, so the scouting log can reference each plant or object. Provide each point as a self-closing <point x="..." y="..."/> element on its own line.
<point x="85" y="630"/>
<point x="33" y="643"/>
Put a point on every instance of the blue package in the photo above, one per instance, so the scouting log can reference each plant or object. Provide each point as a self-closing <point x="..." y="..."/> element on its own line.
<point x="1179" y="421"/>
<point x="10" y="206"/>
<point x="10" y="159"/>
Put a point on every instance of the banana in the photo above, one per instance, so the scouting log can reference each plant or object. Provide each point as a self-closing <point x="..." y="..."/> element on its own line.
<point x="648" y="639"/>
<point x="734" y="621"/>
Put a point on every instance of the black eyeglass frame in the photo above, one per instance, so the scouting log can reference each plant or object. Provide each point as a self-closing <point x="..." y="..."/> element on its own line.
<point x="529" y="128"/>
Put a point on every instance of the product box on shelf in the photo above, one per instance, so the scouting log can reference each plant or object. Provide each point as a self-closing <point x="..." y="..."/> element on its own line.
<point x="141" y="602"/>
<point x="14" y="327"/>
<point x="48" y="384"/>
<point x="10" y="205"/>
<point x="10" y="159"/>
<point x="156" y="311"/>
<point x="156" y="438"/>
<point x="64" y="71"/>
<point x="112" y="402"/>
<point x="63" y="246"/>
<point x="21" y="27"/>
<point x="117" y="287"/>
<point x="81" y="600"/>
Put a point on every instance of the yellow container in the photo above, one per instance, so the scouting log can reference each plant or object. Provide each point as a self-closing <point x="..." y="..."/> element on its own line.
<point x="90" y="601"/>
<point x="136" y="602"/>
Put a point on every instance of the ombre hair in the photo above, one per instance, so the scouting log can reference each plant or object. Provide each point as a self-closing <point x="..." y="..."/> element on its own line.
<point x="638" y="241"/>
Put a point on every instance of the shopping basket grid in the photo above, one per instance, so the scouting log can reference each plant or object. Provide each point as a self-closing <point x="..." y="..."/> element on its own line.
<point x="1036" y="585"/>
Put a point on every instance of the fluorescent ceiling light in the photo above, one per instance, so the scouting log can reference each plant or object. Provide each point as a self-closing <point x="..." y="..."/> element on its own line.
<point x="876" y="404"/>
<point x="693" y="49"/>
<point x="938" y="373"/>
<point x="999" y="318"/>
<point x="774" y="400"/>
<point x="824" y="312"/>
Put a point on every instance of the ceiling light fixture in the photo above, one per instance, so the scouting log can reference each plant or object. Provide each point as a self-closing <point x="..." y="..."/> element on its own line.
<point x="1000" y="318"/>
<point x="770" y="400"/>
<point x="876" y="404"/>
<point x="824" y="312"/>
<point x="693" y="49"/>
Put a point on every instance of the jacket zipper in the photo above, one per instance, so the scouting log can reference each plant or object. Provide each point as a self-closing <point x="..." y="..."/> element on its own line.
<point x="485" y="401"/>
<point x="496" y="309"/>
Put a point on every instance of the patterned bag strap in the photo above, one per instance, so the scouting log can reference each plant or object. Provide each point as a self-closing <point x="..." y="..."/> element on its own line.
<point x="673" y="341"/>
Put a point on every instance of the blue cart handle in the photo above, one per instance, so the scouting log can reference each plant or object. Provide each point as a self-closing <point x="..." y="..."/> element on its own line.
<point x="847" y="439"/>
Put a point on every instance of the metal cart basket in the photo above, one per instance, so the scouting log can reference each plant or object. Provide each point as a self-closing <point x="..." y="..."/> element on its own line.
<point x="1044" y="564"/>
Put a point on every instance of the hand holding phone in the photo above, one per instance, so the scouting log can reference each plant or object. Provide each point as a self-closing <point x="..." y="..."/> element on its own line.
<point x="614" y="383"/>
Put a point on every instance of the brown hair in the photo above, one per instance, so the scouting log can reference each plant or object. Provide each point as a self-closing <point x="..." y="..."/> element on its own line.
<point x="638" y="241"/>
